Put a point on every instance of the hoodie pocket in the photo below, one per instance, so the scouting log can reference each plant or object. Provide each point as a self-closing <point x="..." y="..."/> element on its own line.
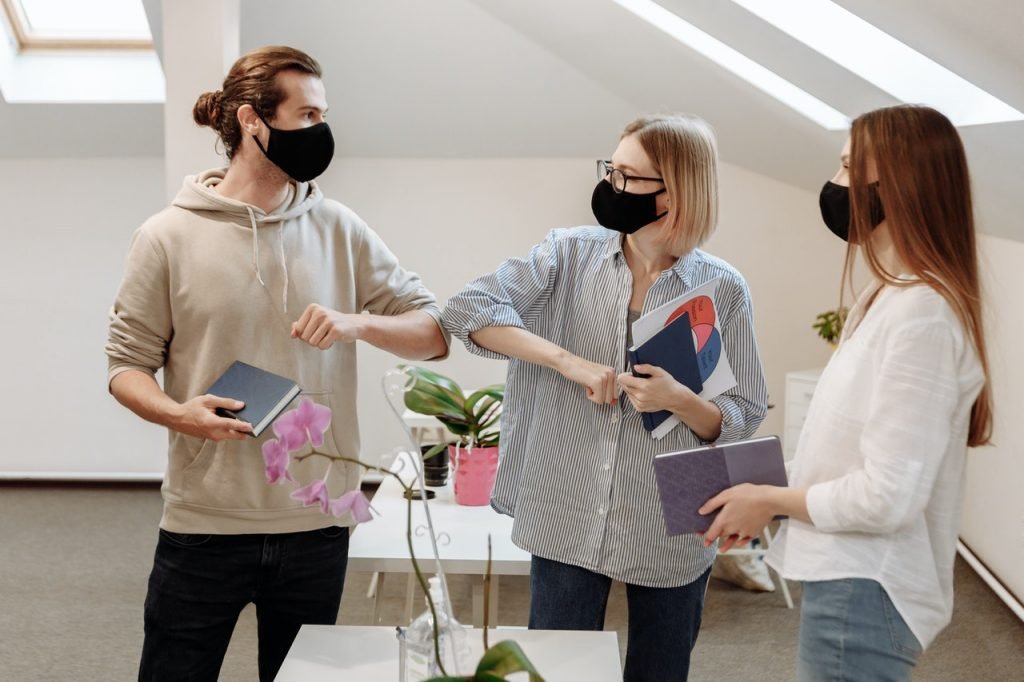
<point x="331" y="445"/>
<point x="231" y="474"/>
<point x="206" y="449"/>
<point x="344" y="476"/>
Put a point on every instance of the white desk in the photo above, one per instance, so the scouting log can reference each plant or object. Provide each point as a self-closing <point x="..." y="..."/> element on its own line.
<point x="380" y="545"/>
<point x="368" y="654"/>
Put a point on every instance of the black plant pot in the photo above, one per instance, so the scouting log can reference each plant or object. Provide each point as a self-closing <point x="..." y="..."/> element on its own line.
<point x="435" y="469"/>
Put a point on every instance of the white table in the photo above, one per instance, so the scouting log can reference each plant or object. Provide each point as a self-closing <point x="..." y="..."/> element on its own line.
<point x="380" y="545"/>
<point x="368" y="654"/>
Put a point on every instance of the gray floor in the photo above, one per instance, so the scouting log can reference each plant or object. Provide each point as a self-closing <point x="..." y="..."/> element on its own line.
<point x="74" y="562"/>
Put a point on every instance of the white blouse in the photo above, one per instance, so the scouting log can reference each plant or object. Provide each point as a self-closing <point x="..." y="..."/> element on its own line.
<point x="882" y="454"/>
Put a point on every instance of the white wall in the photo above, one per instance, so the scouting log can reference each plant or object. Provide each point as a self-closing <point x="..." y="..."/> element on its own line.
<point x="993" y="524"/>
<point x="66" y="229"/>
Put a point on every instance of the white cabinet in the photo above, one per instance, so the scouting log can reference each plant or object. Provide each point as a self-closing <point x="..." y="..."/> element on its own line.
<point x="799" y="389"/>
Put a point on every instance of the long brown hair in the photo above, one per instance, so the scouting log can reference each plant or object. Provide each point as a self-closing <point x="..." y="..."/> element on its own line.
<point x="251" y="80"/>
<point x="925" y="189"/>
<point x="683" y="150"/>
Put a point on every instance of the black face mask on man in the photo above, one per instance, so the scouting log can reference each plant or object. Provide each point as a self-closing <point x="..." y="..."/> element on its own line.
<point x="303" y="153"/>
<point x="622" y="211"/>
<point x="834" y="202"/>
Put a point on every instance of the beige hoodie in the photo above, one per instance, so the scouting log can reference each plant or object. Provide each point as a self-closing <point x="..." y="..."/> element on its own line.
<point x="210" y="280"/>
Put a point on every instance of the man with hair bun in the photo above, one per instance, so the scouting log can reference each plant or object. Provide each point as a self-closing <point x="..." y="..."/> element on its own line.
<point x="252" y="263"/>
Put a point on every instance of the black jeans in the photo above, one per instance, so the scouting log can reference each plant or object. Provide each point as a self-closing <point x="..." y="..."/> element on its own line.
<point x="663" y="622"/>
<point x="200" y="583"/>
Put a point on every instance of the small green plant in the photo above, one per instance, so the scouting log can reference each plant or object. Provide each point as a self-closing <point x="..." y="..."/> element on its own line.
<point x="473" y="418"/>
<point x="830" y="324"/>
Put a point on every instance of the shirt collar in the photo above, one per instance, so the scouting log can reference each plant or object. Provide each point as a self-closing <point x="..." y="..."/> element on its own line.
<point x="683" y="268"/>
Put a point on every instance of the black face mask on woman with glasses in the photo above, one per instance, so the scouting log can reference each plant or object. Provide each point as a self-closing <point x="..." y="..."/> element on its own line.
<point x="623" y="211"/>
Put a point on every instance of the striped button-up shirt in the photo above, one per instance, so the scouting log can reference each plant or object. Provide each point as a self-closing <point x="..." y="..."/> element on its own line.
<point x="578" y="477"/>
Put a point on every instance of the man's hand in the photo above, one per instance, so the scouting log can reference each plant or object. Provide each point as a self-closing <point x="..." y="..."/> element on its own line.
<point x="598" y="380"/>
<point x="197" y="417"/>
<point x="321" y="327"/>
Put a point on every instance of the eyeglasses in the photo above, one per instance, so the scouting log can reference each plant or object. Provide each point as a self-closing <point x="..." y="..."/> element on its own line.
<point x="618" y="179"/>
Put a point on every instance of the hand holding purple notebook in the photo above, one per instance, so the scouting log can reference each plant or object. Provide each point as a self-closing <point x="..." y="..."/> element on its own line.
<point x="689" y="478"/>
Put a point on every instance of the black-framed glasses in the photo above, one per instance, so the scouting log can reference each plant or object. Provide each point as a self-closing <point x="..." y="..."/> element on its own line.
<point x="618" y="179"/>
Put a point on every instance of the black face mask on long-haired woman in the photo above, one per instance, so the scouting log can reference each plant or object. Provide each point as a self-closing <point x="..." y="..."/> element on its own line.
<point x="623" y="211"/>
<point x="835" y="208"/>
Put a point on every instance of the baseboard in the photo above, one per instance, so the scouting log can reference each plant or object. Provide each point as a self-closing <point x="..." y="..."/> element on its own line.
<point x="86" y="476"/>
<point x="991" y="580"/>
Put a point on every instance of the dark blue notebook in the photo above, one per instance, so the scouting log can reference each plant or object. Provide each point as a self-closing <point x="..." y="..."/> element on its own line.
<point x="672" y="350"/>
<point x="264" y="393"/>
<point x="689" y="478"/>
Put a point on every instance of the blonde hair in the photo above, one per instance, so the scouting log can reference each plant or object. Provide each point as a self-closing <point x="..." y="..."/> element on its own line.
<point x="684" y="152"/>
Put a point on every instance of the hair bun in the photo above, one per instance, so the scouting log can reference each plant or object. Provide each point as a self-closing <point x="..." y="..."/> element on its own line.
<point x="206" y="112"/>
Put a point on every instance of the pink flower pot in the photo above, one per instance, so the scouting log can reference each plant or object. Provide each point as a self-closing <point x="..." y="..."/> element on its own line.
<point x="475" y="471"/>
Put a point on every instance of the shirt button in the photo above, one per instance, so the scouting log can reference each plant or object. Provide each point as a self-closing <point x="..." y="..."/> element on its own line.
<point x="600" y="510"/>
<point x="607" y="466"/>
<point x="615" y="416"/>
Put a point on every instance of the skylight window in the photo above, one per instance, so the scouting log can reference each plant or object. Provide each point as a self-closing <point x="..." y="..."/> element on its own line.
<point x="880" y="59"/>
<point x="739" y="64"/>
<point x="95" y="24"/>
<point x="64" y="51"/>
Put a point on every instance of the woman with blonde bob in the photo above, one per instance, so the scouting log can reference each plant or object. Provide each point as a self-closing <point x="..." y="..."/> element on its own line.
<point x="876" y="487"/>
<point x="576" y="463"/>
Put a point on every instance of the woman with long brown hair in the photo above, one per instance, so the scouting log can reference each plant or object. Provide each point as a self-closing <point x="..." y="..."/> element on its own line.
<point x="876" y="485"/>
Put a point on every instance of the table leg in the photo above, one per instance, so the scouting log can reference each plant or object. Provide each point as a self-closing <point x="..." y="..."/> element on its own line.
<point x="410" y="592"/>
<point x="376" y="587"/>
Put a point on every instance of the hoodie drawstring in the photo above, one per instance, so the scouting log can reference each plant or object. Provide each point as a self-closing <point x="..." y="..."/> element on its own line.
<point x="284" y="264"/>
<point x="255" y="247"/>
<point x="256" y="257"/>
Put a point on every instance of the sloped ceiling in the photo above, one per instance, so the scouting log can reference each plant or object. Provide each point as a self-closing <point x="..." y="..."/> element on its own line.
<point x="535" y="78"/>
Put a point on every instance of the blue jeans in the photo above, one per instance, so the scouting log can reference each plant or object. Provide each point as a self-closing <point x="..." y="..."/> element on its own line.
<point x="663" y="622"/>
<point x="850" y="631"/>
<point x="200" y="583"/>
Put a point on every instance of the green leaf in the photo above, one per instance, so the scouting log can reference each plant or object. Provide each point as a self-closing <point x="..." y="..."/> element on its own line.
<point x="433" y="399"/>
<point x="456" y="426"/>
<point x="481" y="409"/>
<point x="488" y="440"/>
<point x="434" y="451"/>
<point x="437" y="396"/>
<point x="489" y="423"/>
<point x="496" y="391"/>
<point x="428" y="377"/>
<point x="504" y="658"/>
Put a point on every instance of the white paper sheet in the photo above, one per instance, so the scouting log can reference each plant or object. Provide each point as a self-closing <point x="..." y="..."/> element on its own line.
<point x="720" y="379"/>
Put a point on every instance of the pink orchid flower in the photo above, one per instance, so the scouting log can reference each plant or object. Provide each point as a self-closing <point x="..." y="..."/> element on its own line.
<point x="312" y="494"/>
<point x="354" y="501"/>
<point x="307" y="422"/>
<point x="277" y="458"/>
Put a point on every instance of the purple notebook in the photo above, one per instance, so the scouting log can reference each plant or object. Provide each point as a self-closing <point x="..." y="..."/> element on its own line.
<point x="689" y="478"/>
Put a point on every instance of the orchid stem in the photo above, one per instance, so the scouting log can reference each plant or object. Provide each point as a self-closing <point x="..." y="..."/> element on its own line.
<point x="408" y="538"/>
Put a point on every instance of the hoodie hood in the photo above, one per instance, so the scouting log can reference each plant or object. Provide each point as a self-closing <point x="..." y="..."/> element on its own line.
<point x="197" y="194"/>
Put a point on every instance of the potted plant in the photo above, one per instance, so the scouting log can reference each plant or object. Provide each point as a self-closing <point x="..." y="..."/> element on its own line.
<point x="829" y="325"/>
<point x="472" y="419"/>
